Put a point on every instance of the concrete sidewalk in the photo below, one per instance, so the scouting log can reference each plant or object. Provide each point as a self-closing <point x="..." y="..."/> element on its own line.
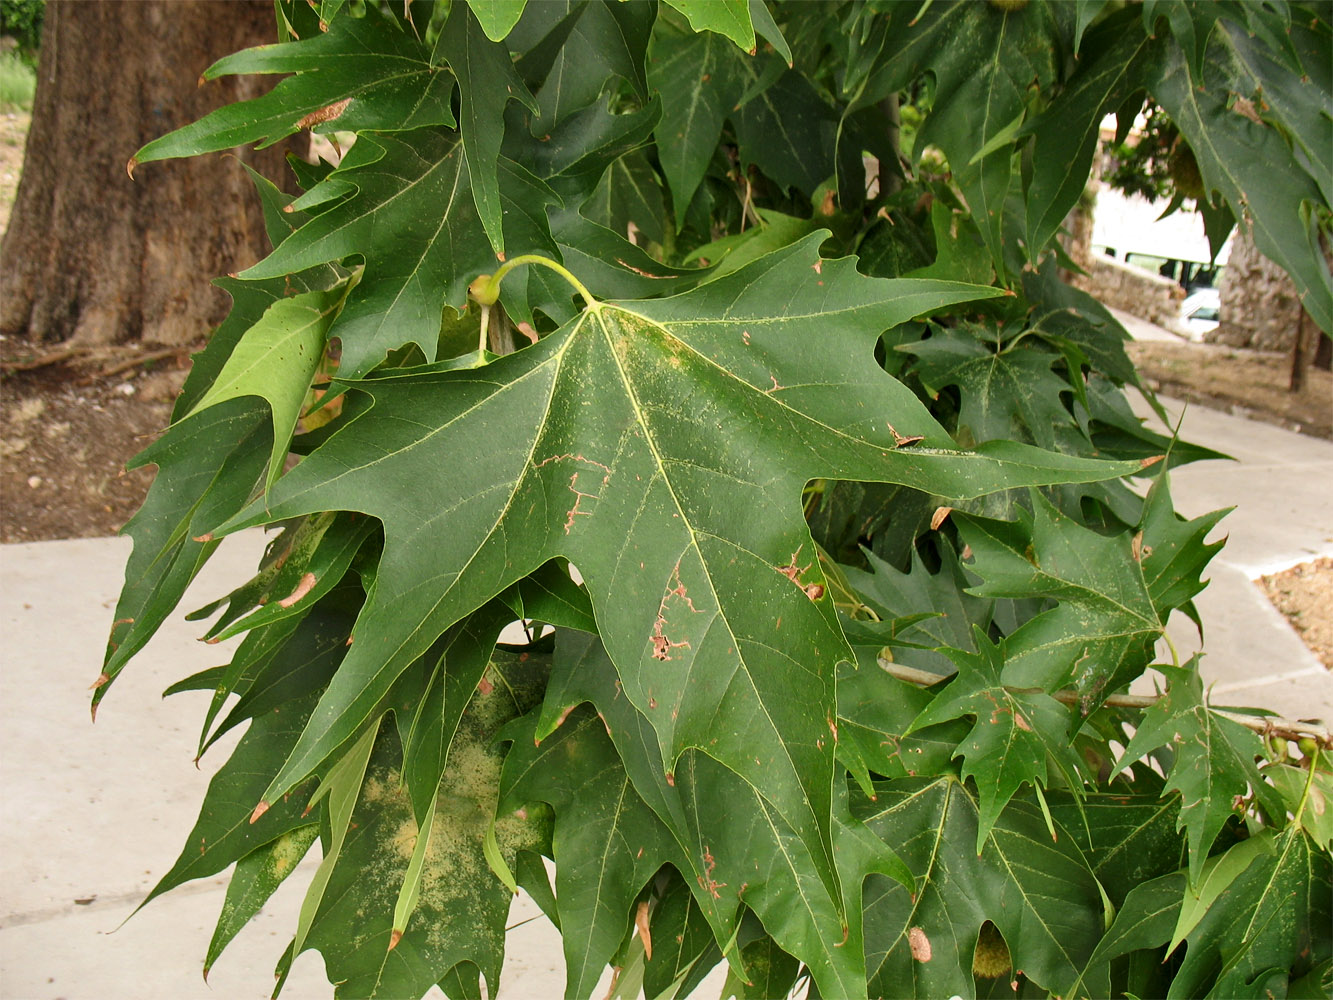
<point x="91" y="816"/>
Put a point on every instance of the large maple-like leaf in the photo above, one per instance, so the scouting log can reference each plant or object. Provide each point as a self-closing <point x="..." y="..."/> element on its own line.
<point x="1015" y="735"/>
<point x="413" y="218"/>
<point x="1039" y="892"/>
<point x="662" y="448"/>
<point x="1214" y="760"/>
<point x="363" y="73"/>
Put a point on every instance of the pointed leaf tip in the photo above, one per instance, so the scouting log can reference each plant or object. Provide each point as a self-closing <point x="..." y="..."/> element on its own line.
<point x="645" y="933"/>
<point x="130" y="165"/>
<point x="394" y="938"/>
<point x="102" y="680"/>
<point x="1150" y="460"/>
<point x="259" y="811"/>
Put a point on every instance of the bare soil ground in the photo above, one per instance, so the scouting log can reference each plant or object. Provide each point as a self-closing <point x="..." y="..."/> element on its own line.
<point x="1304" y="594"/>
<point x="1250" y="384"/>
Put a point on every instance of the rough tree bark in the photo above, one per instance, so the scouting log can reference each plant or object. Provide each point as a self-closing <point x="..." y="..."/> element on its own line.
<point x="91" y="257"/>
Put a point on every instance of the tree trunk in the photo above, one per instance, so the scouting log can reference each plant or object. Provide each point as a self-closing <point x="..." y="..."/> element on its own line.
<point x="92" y="257"/>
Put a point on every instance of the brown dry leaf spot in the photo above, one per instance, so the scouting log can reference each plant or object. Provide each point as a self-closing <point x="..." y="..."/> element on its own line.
<point x="304" y="587"/>
<point x="645" y="934"/>
<point x="394" y="938"/>
<point x="939" y="517"/>
<point x="259" y="811"/>
<point x="1246" y="109"/>
<point x="919" y="943"/>
<point x="324" y="114"/>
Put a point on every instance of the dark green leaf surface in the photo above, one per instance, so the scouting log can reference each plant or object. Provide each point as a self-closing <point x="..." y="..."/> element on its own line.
<point x="607" y="842"/>
<point x="381" y="70"/>
<point x="629" y="493"/>
<point x="1038" y="892"/>
<point x="1214" y="760"/>
<point x="413" y="218"/>
<point x="1105" y="617"/>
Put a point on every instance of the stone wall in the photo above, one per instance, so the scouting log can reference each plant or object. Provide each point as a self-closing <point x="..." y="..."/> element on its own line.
<point x="1138" y="292"/>
<point x="1260" y="307"/>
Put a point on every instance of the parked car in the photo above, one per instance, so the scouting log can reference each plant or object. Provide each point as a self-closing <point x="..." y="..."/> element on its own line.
<point x="1199" y="312"/>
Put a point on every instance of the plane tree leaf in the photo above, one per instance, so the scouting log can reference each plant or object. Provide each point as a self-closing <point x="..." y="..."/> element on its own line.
<point x="461" y="904"/>
<point x="363" y="73"/>
<point x="726" y="17"/>
<point x="629" y="496"/>
<point x="1039" y="892"/>
<point x="1015" y="736"/>
<point x="607" y="842"/>
<point x="275" y="360"/>
<point x="1214" y="768"/>
<point x="412" y="217"/>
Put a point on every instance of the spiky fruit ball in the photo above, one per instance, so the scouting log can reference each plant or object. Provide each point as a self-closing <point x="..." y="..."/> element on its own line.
<point x="991" y="959"/>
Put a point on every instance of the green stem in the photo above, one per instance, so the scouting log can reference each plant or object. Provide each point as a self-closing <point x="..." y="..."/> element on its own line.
<point x="486" y="289"/>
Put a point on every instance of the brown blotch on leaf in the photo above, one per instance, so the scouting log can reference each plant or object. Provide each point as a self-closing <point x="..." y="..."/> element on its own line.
<point x="394" y="938"/>
<point x="102" y="680"/>
<point x="939" y="517"/>
<point x="919" y="943"/>
<point x="1150" y="460"/>
<point x="325" y="114"/>
<point x="130" y="165"/>
<point x="259" y="811"/>
<point x="304" y="587"/>
<point x="207" y="536"/>
<point x="645" y="934"/>
<point x="815" y="591"/>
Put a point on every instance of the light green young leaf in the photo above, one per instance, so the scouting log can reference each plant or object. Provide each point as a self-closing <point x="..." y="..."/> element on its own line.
<point x="497" y="17"/>
<point x="726" y="17"/>
<point x="275" y="360"/>
<point x="256" y="878"/>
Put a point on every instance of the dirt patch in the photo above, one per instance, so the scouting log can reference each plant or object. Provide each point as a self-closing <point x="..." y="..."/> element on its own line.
<point x="13" y="134"/>
<point x="1247" y="383"/>
<point x="1304" y="594"/>
<point x="64" y="441"/>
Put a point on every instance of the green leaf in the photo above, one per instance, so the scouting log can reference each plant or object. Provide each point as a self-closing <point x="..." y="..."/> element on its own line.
<point x="727" y="17"/>
<point x="630" y="497"/>
<point x="256" y="878"/>
<point x="788" y="131"/>
<point x="1037" y="891"/>
<point x="224" y="833"/>
<point x="1118" y="61"/>
<point x="1145" y="918"/>
<point x="1105" y="622"/>
<point x="1008" y="393"/>
<point x="703" y="73"/>
<point x="608" y="842"/>
<point x="275" y="360"/>
<point x="497" y="17"/>
<point x="1014" y="736"/>
<point x="1127" y="839"/>
<point x="1274" y="915"/>
<point x="1214" y="760"/>
<point x="629" y="192"/>
<point x="382" y="72"/>
<point x="1250" y="163"/>
<point x="208" y="468"/>
<point x="683" y="947"/>
<point x="487" y="82"/>
<point x="461" y="906"/>
<point x="413" y="219"/>
<point x="605" y="41"/>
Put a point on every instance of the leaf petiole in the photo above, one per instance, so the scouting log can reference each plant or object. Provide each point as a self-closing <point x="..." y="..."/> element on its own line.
<point x="486" y="289"/>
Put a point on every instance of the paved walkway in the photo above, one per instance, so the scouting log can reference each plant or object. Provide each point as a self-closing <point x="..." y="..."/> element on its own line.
<point x="91" y="816"/>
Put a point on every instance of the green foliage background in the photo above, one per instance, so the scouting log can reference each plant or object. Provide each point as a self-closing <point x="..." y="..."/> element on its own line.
<point x="723" y="345"/>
